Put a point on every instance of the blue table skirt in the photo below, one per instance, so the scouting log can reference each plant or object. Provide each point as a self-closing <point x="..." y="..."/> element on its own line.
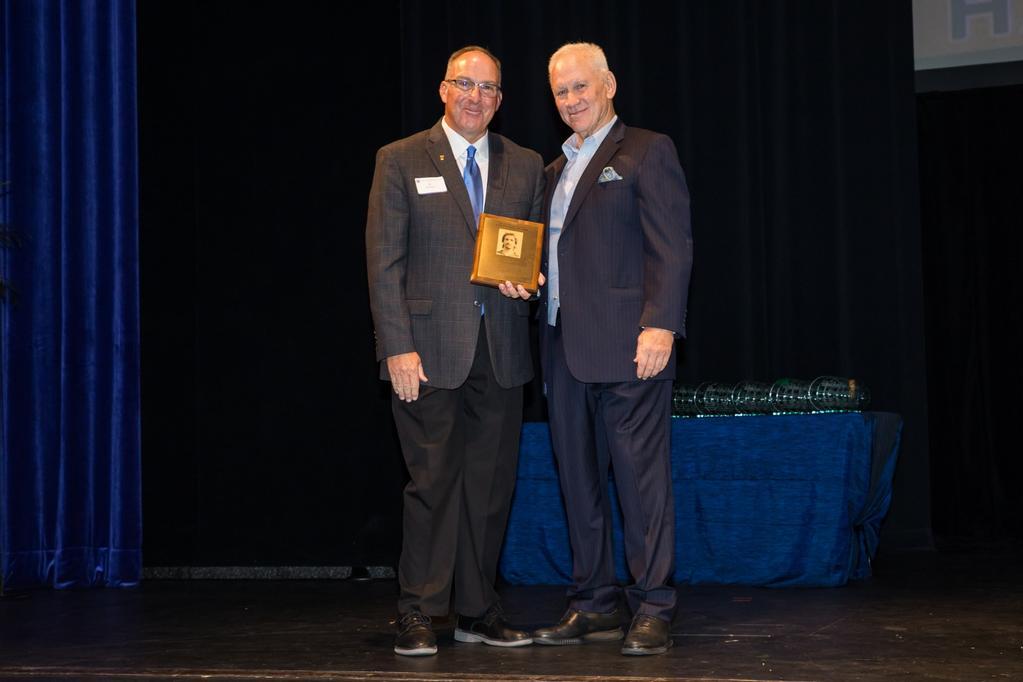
<point x="763" y="500"/>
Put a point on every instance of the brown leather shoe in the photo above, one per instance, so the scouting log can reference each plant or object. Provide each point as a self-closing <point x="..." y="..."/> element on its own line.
<point x="578" y="626"/>
<point x="647" y="635"/>
<point x="415" y="636"/>
<point x="492" y="629"/>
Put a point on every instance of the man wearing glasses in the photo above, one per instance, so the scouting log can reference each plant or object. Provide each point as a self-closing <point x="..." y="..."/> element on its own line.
<point x="456" y="354"/>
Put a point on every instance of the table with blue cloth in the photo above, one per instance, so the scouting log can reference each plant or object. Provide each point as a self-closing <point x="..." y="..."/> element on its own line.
<point x="774" y="500"/>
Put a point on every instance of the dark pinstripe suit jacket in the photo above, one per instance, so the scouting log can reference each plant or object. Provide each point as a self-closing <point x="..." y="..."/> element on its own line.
<point x="420" y="250"/>
<point x="624" y="256"/>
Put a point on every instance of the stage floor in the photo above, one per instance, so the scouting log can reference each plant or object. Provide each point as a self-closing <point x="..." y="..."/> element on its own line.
<point x="924" y="616"/>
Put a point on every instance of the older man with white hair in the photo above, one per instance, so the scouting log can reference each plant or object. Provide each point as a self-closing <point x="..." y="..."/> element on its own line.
<point x="618" y="258"/>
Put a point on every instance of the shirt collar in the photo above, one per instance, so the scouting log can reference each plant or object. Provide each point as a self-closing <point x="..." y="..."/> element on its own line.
<point x="459" y="144"/>
<point x="590" y="143"/>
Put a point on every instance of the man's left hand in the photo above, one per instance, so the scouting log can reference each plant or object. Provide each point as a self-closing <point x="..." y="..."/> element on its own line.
<point x="653" y="349"/>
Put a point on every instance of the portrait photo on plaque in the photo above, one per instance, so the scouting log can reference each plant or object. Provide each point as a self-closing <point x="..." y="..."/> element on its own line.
<point x="509" y="243"/>
<point x="507" y="250"/>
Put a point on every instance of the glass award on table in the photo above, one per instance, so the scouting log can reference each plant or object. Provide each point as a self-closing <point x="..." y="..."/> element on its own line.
<point x="752" y="397"/>
<point x="507" y="250"/>
<point x="829" y="394"/>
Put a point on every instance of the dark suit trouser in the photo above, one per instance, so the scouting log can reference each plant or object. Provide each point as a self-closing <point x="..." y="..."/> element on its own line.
<point x="628" y="425"/>
<point x="461" y="447"/>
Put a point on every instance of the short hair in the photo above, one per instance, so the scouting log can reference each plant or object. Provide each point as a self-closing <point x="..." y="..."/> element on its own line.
<point x="590" y="51"/>
<point x="473" y="48"/>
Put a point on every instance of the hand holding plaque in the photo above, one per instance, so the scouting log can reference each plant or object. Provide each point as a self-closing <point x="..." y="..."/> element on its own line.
<point x="507" y="250"/>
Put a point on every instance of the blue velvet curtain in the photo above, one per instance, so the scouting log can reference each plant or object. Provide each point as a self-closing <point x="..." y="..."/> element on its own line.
<point x="70" y="498"/>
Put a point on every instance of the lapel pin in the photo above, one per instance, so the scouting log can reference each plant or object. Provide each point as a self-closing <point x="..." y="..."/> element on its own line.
<point x="441" y="157"/>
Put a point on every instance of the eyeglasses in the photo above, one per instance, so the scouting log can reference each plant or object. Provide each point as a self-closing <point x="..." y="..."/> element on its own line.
<point x="466" y="85"/>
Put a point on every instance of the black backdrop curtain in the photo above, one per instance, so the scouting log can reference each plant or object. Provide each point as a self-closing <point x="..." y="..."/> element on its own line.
<point x="267" y="437"/>
<point x="795" y="125"/>
<point x="971" y="177"/>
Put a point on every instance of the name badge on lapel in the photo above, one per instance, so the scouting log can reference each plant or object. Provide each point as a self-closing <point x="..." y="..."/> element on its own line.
<point x="431" y="185"/>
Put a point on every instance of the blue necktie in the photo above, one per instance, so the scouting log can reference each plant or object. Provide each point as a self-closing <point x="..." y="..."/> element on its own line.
<point x="473" y="183"/>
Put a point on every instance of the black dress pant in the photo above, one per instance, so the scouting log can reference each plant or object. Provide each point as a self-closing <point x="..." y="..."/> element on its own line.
<point x="461" y="447"/>
<point x="626" y="425"/>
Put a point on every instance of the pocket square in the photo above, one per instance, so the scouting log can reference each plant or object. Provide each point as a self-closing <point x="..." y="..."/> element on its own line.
<point x="609" y="174"/>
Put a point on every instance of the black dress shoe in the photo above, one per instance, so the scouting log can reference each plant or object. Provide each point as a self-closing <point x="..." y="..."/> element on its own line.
<point x="415" y="636"/>
<point x="491" y="628"/>
<point x="577" y="627"/>
<point x="647" y="635"/>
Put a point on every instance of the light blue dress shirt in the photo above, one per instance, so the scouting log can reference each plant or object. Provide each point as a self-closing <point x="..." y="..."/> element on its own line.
<point x="578" y="159"/>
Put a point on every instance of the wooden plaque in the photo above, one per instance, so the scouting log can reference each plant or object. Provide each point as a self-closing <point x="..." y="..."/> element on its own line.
<point x="507" y="250"/>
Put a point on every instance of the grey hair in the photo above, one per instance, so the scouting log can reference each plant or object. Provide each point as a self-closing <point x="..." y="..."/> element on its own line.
<point x="590" y="51"/>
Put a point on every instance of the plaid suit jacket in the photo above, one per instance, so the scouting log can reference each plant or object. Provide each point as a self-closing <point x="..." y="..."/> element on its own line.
<point x="419" y="254"/>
